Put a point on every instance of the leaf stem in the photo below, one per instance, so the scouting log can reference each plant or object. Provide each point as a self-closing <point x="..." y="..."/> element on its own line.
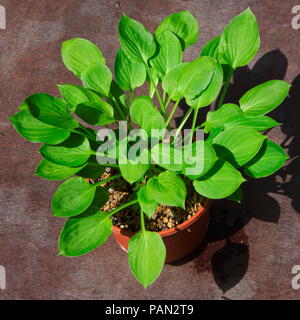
<point x="225" y="88"/>
<point x="116" y="176"/>
<point x="83" y="134"/>
<point x="125" y="205"/>
<point x="93" y="137"/>
<point x="142" y="220"/>
<point x="162" y="106"/>
<point x="172" y="112"/>
<point x="193" y="125"/>
<point x="183" y="122"/>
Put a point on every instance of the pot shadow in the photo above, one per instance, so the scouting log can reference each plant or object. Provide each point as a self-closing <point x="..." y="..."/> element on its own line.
<point x="225" y="251"/>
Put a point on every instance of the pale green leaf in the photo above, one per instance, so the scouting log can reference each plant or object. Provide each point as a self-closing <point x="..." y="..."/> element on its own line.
<point x="147" y="203"/>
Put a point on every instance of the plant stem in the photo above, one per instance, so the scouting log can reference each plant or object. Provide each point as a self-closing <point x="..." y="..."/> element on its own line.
<point x="87" y="131"/>
<point x="156" y="92"/>
<point x="123" y="206"/>
<point x="142" y="220"/>
<point x="172" y="112"/>
<point x="225" y="88"/>
<point x="183" y="122"/>
<point x="193" y="125"/>
<point x="120" y="111"/>
<point x="83" y="134"/>
<point x="116" y="176"/>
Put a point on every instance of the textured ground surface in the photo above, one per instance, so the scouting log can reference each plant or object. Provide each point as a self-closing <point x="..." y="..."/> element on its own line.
<point x="250" y="249"/>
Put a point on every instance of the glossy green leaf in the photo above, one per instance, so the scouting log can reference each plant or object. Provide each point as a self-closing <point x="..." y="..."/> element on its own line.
<point x="147" y="203"/>
<point x="220" y="182"/>
<point x="217" y="119"/>
<point x="36" y="131"/>
<point x="270" y="158"/>
<point x="96" y="113"/>
<point x="73" y="152"/>
<point x="51" y="110"/>
<point x="264" y="98"/>
<point x="136" y="41"/>
<point x="75" y="95"/>
<point x="189" y="79"/>
<point x="78" y="54"/>
<point x="167" y="188"/>
<point x="129" y="75"/>
<point x="167" y="156"/>
<point x="211" y="49"/>
<point x="52" y="171"/>
<point x="134" y="168"/>
<point x="97" y="77"/>
<point x="169" y="53"/>
<point x="72" y="197"/>
<point x="240" y="40"/>
<point x="81" y="235"/>
<point x="238" y="145"/>
<point x="146" y="256"/>
<point x="199" y="159"/>
<point x="259" y="123"/>
<point x="143" y="113"/>
<point x="211" y="92"/>
<point x="184" y="25"/>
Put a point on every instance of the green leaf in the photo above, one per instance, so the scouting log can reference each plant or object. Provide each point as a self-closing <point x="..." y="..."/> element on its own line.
<point x="220" y="182"/>
<point x="238" y="145"/>
<point x="36" y="131"/>
<point x="199" y="159"/>
<point x="236" y="196"/>
<point x="264" y="98"/>
<point x="78" y="54"/>
<point x="270" y="158"/>
<point x="72" y="197"/>
<point x="189" y="79"/>
<point x="52" y="171"/>
<point x="184" y="25"/>
<point x="129" y="75"/>
<point x="143" y="113"/>
<point x="136" y="41"/>
<point x="135" y="168"/>
<point x="259" y="123"/>
<point x="211" y="49"/>
<point x="240" y="40"/>
<point x="96" y="113"/>
<point x="73" y="152"/>
<point x="51" y="110"/>
<point x="81" y="235"/>
<point x="97" y="77"/>
<point x="147" y="203"/>
<point x="169" y="53"/>
<point x="217" y="119"/>
<point x="146" y="256"/>
<point x="75" y="95"/>
<point x="167" y="188"/>
<point x="211" y="92"/>
<point x="92" y="169"/>
<point x="167" y="156"/>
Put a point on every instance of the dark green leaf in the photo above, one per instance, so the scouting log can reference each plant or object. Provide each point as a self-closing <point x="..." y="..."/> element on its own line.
<point x="236" y="196"/>
<point x="92" y="169"/>
<point x="184" y="25"/>
<point x="73" y="152"/>
<point x="81" y="235"/>
<point x="51" y="110"/>
<point x="52" y="171"/>
<point x="78" y="54"/>
<point x="36" y="131"/>
<point x="146" y="256"/>
<point x="72" y="197"/>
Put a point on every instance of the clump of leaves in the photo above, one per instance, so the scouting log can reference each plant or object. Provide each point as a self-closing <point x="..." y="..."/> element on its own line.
<point x="235" y="146"/>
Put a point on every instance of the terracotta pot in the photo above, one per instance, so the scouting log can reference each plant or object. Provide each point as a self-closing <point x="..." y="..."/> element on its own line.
<point x="179" y="241"/>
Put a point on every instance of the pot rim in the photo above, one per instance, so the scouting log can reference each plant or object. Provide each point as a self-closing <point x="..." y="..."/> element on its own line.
<point x="165" y="233"/>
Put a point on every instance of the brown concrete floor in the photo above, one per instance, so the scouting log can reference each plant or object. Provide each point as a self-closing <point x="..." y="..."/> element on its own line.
<point x="263" y="239"/>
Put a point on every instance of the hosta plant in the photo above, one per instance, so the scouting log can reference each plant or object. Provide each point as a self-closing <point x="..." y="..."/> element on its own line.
<point x="233" y="149"/>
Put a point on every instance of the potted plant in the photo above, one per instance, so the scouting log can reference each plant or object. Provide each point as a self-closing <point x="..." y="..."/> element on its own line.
<point x="151" y="197"/>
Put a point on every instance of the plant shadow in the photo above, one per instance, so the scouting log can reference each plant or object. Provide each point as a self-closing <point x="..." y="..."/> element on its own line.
<point x="225" y="251"/>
